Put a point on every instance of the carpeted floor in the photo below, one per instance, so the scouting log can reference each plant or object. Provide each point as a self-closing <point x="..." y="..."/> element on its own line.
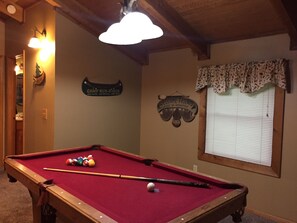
<point x="16" y="204"/>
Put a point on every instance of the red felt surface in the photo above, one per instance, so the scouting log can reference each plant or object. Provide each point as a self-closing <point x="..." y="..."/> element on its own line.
<point x="121" y="199"/>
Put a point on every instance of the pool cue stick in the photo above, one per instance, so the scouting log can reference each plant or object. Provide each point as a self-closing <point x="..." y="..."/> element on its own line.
<point x="159" y="180"/>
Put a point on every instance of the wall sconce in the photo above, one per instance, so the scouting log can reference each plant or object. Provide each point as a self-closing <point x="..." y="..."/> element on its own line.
<point x="18" y="69"/>
<point x="18" y="65"/>
<point x="34" y="41"/>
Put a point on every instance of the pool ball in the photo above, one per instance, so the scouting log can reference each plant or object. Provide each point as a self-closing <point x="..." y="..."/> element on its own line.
<point x="150" y="187"/>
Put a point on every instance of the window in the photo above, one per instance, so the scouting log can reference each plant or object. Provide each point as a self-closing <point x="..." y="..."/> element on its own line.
<point x="242" y="131"/>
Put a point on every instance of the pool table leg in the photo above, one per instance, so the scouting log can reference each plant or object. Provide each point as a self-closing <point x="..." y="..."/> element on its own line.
<point x="42" y="213"/>
<point x="48" y="214"/>
<point x="236" y="216"/>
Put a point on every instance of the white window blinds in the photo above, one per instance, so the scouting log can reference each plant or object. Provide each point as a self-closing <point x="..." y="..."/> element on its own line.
<point x="240" y="125"/>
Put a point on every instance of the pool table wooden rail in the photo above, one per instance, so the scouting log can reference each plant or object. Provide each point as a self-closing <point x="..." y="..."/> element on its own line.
<point x="71" y="209"/>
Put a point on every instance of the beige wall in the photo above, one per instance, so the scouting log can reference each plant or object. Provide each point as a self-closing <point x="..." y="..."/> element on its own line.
<point x="176" y="71"/>
<point x="39" y="132"/>
<point x="84" y="120"/>
<point x="75" y="119"/>
<point x="167" y="73"/>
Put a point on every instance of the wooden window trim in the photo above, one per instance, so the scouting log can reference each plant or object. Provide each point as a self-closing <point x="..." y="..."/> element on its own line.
<point x="275" y="168"/>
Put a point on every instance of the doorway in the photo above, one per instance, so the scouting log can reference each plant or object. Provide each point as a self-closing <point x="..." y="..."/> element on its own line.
<point x="13" y="106"/>
<point x="19" y="74"/>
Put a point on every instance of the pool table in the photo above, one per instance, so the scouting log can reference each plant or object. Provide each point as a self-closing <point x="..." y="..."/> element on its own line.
<point x="183" y="196"/>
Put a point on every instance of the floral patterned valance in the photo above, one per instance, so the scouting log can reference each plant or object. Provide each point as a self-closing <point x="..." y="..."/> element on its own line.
<point x="249" y="77"/>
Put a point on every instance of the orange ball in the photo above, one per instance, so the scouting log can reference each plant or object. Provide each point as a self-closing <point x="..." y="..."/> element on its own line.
<point x="91" y="162"/>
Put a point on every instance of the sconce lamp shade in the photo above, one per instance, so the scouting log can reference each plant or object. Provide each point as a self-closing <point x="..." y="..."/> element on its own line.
<point x="34" y="43"/>
<point x="132" y="29"/>
<point x="17" y="69"/>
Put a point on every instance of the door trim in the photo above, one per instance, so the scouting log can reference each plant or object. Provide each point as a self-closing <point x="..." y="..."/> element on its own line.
<point x="10" y="107"/>
<point x="2" y="110"/>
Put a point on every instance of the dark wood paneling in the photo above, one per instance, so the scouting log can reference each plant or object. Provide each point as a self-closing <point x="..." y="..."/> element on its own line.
<point x="10" y="107"/>
<point x="191" y="24"/>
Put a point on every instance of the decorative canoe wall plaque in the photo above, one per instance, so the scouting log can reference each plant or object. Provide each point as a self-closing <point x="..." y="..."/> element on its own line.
<point x="99" y="89"/>
<point x="177" y="107"/>
<point x="39" y="77"/>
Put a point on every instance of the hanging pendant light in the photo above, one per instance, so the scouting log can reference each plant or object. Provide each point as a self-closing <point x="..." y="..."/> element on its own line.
<point x="140" y="24"/>
<point x="117" y="34"/>
<point x="132" y="29"/>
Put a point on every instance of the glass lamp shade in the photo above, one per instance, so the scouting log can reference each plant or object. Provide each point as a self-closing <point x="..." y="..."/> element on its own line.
<point x="116" y="34"/>
<point x="132" y="29"/>
<point x="18" y="70"/>
<point x="34" y="43"/>
<point x="141" y="25"/>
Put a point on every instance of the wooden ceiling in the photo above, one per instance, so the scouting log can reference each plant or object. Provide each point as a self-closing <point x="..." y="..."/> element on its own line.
<point x="194" y="24"/>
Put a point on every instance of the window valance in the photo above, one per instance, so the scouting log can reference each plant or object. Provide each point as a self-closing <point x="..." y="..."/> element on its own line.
<point x="249" y="76"/>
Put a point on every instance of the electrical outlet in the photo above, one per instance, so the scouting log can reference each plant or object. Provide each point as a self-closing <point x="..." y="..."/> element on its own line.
<point x="195" y="167"/>
<point x="44" y="113"/>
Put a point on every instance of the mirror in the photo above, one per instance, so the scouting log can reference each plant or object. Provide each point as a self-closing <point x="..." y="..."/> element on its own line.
<point x="19" y="86"/>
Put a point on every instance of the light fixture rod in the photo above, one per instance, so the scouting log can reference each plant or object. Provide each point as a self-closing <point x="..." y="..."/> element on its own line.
<point x="43" y="32"/>
<point x="131" y="3"/>
<point x="127" y="7"/>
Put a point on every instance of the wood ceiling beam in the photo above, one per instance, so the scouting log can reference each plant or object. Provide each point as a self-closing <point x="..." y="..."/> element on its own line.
<point x="53" y="3"/>
<point x="80" y="14"/>
<point x="169" y="19"/>
<point x="18" y="15"/>
<point x="89" y="21"/>
<point x="287" y="12"/>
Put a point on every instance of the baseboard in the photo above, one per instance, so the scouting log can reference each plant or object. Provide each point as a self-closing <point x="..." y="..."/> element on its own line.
<point x="268" y="216"/>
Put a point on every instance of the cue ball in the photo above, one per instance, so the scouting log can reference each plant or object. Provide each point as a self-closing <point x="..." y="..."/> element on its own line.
<point x="150" y="187"/>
